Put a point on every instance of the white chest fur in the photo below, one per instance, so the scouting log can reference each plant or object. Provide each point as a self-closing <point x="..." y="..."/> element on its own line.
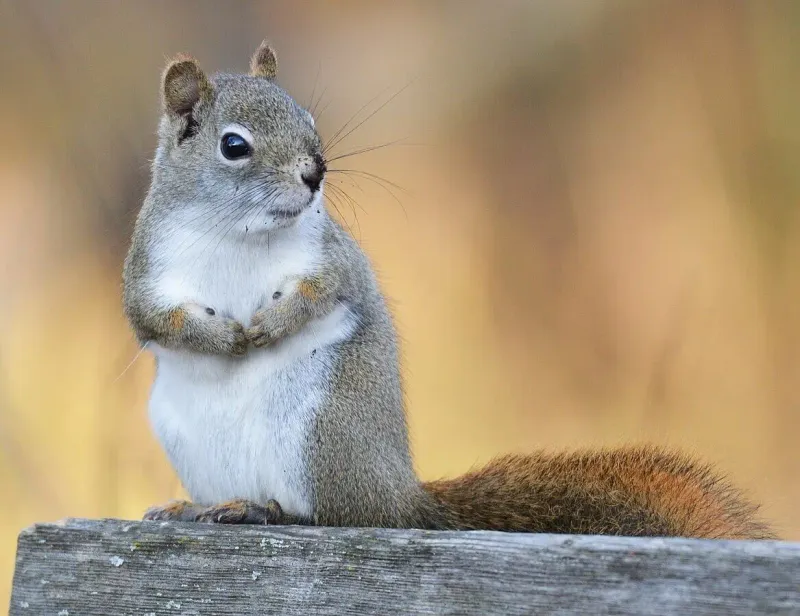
<point x="238" y="427"/>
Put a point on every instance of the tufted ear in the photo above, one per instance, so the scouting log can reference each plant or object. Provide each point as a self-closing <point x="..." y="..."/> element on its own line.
<point x="264" y="63"/>
<point x="184" y="84"/>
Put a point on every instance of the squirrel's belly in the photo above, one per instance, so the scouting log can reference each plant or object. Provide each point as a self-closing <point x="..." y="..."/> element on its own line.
<point x="239" y="427"/>
<point x="243" y="435"/>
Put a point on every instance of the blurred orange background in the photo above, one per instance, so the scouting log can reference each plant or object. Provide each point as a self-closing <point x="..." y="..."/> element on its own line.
<point x="595" y="239"/>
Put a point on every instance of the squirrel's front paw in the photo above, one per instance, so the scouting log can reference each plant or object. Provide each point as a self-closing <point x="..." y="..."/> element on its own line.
<point x="230" y="336"/>
<point x="265" y="327"/>
<point x="173" y="511"/>
<point x="240" y="511"/>
<point x="202" y="329"/>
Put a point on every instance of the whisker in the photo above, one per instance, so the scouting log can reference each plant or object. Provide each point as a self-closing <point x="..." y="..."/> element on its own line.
<point x="232" y="219"/>
<point x="336" y="139"/>
<point x="367" y="149"/>
<point x="338" y="211"/>
<point x="225" y="233"/>
<point x="314" y="89"/>
<point x="227" y="228"/>
<point x="351" y="181"/>
<point x="226" y="222"/>
<point x="133" y="361"/>
<point x="223" y="209"/>
<point x="257" y="211"/>
<point x="369" y="175"/>
<point x="331" y="143"/>
<point x="376" y="179"/>
<point x="226" y="209"/>
<point x="351" y="201"/>
<point x="325" y="108"/>
<point x="231" y="202"/>
<point x="314" y="113"/>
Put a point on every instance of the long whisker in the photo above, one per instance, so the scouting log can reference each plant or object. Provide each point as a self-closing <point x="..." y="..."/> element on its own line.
<point x="351" y="202"/>
<point x="348" y="199"/>
<point x="258" y="211"/>
<point x="227" y="228"/>
<point x="333" y="138"/>
<point x="367" y="175"/>
<point x="325" y="108"/>
<point x="367" y="149"/>
<point x="376" y="179"/>
<point x="228" y="219"/>
<point x="226" y="207"/>
<point x="314" y="113"/>
<point x="230" y="204"/>
<point x="231" y="219"/>
<point x="338" y="138"/>
<point x="133" y="361"/>
<point x="333" y="202"/>
<point x="314" y="89"/>
<point x="225" y="210"/>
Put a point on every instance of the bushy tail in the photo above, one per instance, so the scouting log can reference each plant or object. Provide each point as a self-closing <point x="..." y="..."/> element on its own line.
<point x="636" y="491"/>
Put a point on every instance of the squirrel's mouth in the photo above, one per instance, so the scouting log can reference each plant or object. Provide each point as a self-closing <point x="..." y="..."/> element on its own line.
<point x="286" y="214"/>
<point x="288" y="209"/>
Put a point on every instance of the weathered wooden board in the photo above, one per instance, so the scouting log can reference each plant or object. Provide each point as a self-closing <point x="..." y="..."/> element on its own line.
<point x="109" y="567"/>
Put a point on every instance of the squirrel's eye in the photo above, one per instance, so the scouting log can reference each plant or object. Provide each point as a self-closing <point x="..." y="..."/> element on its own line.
<point x="234" y="146"/>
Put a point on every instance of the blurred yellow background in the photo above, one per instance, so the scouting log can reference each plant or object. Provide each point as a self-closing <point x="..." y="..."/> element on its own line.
<point x="597" y="238"/>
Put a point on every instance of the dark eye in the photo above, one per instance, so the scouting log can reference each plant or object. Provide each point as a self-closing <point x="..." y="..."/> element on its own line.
<point x="234" y="146"/>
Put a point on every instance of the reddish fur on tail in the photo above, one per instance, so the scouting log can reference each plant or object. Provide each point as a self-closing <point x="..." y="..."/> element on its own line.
<point x="637" y="491"/>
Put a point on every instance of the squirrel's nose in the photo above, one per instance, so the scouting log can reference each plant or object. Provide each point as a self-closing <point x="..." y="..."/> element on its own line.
<point x="314" y="172"/>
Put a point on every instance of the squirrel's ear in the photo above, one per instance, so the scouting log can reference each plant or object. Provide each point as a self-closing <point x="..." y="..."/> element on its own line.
<point x="184" y="84"/>
<point x="264" y="63"/>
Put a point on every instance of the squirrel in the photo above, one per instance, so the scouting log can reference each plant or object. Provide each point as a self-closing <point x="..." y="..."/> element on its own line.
<point x="278" y="397"/>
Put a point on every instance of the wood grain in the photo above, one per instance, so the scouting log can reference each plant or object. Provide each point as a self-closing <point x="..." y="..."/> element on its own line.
<point x="86" y="567"/>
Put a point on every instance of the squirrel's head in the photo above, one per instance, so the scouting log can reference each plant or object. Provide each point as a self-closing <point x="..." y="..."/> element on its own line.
<point x="239" y="143"/>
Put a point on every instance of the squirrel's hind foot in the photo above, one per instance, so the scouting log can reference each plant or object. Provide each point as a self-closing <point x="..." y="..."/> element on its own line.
<point x="173" y="511"/>
<point x="240" y="511"/>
